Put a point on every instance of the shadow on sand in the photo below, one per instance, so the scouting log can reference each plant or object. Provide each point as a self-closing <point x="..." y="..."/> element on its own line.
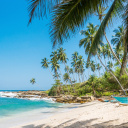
<point x="82" y="124"/>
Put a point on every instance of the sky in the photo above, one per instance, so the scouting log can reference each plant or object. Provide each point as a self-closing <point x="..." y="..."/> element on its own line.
<point x="22" y="47"/>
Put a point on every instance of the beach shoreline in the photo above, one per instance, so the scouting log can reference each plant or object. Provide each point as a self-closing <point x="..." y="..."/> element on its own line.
<point x="93" y="114"/>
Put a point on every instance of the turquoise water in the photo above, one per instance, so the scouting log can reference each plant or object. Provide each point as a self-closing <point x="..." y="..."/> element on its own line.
<point x="11" y="106"/>
<point x="122" y="99"/>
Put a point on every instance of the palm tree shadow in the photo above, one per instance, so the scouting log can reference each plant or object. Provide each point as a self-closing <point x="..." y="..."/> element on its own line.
<point x="82" y="124"/>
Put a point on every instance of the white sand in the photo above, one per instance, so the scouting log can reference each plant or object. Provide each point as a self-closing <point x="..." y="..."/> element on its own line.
<point x="90" y="115"/>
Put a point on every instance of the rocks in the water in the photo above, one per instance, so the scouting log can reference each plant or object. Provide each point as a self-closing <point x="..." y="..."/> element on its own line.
<point x="31" y="94"/>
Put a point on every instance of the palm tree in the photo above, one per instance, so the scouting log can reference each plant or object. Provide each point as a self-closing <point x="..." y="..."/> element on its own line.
<point x="80" y="67"/>
<point x="98" y="67"/>
<point x="63" y="59"/>
<point x="74" y="62"/>
<point x="32" y="81"/>
<point x="66" y="78"/>
<point x="110" y="65"/>
<point x="93" y="66"/>
<point x="54" y="55"/>
<point x="118" y="40"/>
<point x="93" y="82"/>
<point x="55" y="67"/>
<point x="72" y="72"/>
<point x="45" y="64"/>
<point x="103" y="52"/>
<point x="89" y="35"/>
<point x="88" y="65"/>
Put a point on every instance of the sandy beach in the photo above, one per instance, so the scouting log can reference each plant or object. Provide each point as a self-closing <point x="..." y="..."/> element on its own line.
<point x="89" y="115"/>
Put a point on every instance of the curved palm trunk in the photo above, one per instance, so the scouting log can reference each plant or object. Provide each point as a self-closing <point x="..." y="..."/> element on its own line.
<point x="111" y="74"/>
<point x="115" y="54"/>
<point x="124" y="62"/>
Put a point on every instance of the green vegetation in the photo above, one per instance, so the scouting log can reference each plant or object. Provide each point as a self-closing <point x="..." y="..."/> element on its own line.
<point x="97" y="86"/>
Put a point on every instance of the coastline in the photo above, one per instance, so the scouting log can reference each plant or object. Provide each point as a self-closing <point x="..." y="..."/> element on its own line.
<point x="91" y="115"/>
<point x="33" y="115"/>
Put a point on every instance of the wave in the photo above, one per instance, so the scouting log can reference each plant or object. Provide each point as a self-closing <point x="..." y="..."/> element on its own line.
<point x="33" y="97"/>
<point x="7" y="94"/>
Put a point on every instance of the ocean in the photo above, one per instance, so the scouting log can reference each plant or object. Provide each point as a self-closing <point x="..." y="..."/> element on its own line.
<point x="11" y="106"/>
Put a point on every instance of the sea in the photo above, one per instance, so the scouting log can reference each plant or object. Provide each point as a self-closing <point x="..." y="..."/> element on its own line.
<point x="10" y="106"/>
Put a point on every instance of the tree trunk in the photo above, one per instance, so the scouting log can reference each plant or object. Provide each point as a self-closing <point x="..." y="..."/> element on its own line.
<point x="124" y="62"/>
<point x="114" y="53"/>
<point x="111" y="74"/>
<point x="69" y="77"/>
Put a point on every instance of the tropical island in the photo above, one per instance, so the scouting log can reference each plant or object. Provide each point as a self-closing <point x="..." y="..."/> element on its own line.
<point x="90" y="88"/>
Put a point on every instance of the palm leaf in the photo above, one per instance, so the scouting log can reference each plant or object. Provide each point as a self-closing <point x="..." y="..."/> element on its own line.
<point x="69" y="16"/>
<point x="40" y="8"/>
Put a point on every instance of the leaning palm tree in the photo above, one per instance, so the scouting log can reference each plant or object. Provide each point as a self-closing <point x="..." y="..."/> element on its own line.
<point x="32" y="81"/>
<point x="45" y="64"/>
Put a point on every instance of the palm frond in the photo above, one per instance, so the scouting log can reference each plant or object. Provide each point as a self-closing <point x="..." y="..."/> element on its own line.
<point x="40" y="8"/>
<point x="69" y="16"/>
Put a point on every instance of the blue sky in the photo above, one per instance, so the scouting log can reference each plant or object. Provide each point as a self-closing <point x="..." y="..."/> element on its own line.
<point x="23" y="47"/>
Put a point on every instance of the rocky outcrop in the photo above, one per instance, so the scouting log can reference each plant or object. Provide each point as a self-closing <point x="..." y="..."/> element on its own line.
<point x="31" y="94"/>
<point x="74" y="99"/>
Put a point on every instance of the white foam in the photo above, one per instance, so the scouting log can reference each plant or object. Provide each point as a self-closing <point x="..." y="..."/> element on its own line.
<point x="7" y="94"/>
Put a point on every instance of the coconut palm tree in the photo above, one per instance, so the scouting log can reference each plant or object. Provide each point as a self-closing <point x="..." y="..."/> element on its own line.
<point x="103" y="52"/>
<point x="98" y="67"/>
<point x="45" y="64"/>
<point x="62" y="57"/>
<point x="66" y="77"/>
<point x="88" y="65"/>
<point x="93" y="66"/>
<point x="110" y="65"/>
<point x="93" y="82"/>
<point x="80" y="67"/>
<point x="72" y="72"/>
<point x="32" y="81"/>
<point x="74" y="62"/>
<point x="55" y="67"/>
<point x="89" y="35"/>
<point x="118" y="40"/>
